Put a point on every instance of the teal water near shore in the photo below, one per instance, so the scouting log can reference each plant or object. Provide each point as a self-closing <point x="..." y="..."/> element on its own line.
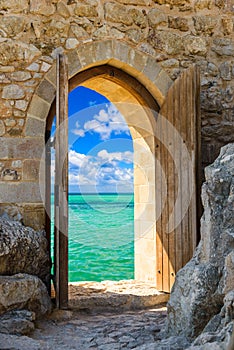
<point x="101" y="237"/>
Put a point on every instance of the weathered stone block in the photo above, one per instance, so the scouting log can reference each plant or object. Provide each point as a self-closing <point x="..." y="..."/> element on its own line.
<point x="16" y="6"/>
<point x="2" y="128"/>
<point x="74" y="64"/>
<point x="85" y="10"/>
<point x="42" y="7"/>
<point x="12" y="25"/>
<point x="13" y="91"/>
<point x="226" y="70"/>
<point x="156" y="18"/>
<point x="227" y="26"/>
<point x="21" y="192"/>
<point x="10" y="175"/>
<point x="103" y="50"/>
<point x="180" y="23"/>
<point x="195" y="45"/>
<point x="87" y="55"/>
<point x="31" y="170"/>
<point x="203" y="4"/>
<point x="163" y="82"/>
<point x="78" y="31"/>
<point x="71" y="43"/>
<point x="39" y="107"/>
<point x="138" y="17"/>
<point x="21" y="104"/>
<point x="11" y="52"/>
<point x="151" y="70"/>
<point x="47" y="92"/>
<point x="117" y="13"/>
<point x="34" y="216"/>
<point x="34" y="127"/>
<point x="205" y="24"/>
<point x="171" y="43"/>
<point x="63" y="9"/>
<point x="20" y="76"/>
<point x="25" y="148"/>
<point x="223" y="46"/>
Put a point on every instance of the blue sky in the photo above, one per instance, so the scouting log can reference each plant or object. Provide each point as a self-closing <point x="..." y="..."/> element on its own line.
<point x="100" y="145"/>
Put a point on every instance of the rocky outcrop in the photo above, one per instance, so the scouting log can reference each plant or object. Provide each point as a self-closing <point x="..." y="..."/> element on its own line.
<point x="24" y="291"/>
<point x="217" y="333"/>
<point x="23" y="250"/>
<point x="200" y="287"/>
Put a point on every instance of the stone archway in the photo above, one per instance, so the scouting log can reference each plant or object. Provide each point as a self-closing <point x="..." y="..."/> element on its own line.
<point x="158" y="255"/>
<point x="141" y="66"/>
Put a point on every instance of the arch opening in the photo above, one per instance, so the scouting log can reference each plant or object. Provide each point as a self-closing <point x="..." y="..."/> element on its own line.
<point x="139" y="111"/>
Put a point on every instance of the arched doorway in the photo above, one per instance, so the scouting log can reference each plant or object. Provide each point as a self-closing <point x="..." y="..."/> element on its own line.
<point x="167" y="145"/>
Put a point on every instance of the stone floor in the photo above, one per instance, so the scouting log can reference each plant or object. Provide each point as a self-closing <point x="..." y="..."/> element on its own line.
<point x="72" y="330"/>
<point x="102" y="316"/>
<point x="114" y="296"/>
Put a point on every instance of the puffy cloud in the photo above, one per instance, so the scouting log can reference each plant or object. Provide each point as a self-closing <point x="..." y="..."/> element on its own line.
<point x="76" y="158"/>
<point x="106" y="122"/>
<point x="127" y="156"/>
<point x="103" y="169"/>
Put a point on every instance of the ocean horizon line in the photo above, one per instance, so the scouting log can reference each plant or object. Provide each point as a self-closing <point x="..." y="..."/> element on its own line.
<point x="95" y="193"/>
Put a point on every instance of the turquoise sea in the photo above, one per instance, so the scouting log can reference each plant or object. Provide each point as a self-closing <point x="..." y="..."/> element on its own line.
<point x="101" y="237"/>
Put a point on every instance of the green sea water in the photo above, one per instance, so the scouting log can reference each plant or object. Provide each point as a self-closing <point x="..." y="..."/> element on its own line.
<point x="101" y="237"/>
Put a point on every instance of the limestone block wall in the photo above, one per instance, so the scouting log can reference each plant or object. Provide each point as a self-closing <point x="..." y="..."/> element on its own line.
<point x="176" y="34"/>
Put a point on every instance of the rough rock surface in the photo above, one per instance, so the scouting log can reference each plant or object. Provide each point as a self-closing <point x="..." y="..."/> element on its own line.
<point x="201" y="285"/>
<point x="17" y="322"/>
<point x="24" y="291"/>
<point x="23" y="250"/>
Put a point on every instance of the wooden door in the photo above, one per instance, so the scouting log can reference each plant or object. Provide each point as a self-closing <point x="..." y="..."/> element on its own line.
<point x="61" y="186"/>
<point x="177" y="177"/>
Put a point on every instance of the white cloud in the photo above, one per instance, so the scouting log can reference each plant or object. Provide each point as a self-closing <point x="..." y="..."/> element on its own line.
<point x="127" y="156"/>
<point x="104" y="123"/>
<point x="103" y="170"/>
<point x="77" y="158"/>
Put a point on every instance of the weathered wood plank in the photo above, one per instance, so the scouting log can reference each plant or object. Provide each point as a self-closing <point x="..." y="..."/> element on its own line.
<point x="48" y="197"/>
<point x="158" y="198"/>
<point x="178" y="156"/>
<point x="61" y="184"/>
<point x="171" y="185"/>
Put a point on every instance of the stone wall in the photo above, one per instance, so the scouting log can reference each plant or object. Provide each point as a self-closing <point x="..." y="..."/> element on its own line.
<point x="175" y="33"/>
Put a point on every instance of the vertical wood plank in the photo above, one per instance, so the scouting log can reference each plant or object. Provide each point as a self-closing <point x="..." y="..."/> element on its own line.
<point x="179" y="159"/>
<point x="164" y="216"/>
<point x="171" y="186"/>
<point x="198" y="169"/>
<point x="61" y="184"/>
<point x="48" y="198"/>
<point x="159" y="204"/>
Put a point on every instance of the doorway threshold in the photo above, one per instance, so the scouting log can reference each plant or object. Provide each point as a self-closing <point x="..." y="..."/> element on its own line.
<point x="114" y="296"/>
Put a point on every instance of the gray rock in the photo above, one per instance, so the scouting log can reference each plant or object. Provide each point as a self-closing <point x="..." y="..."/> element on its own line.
<point x="17" y="322"/>
<point x="14" y="342"/>
<point x="13" y="91"/>
<point x="201" y="285"/>
<point x="24" y="291"/>
<point x="23" y="250"/>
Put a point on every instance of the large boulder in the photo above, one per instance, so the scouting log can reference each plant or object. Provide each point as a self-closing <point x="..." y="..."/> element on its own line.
<point x="200" y="286"/>
<point x="24" y="291"/>
<point x="23" y="250"/>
